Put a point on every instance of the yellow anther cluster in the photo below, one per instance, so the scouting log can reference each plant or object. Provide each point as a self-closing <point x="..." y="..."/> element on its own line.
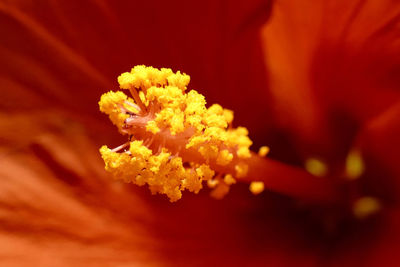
<point x="163" y="173"/>
<point x="163" y="108"/>
<point x="221" y="142"/>
<point x="112" y="103"/>
<point x="145" y="77"/>
<point x="179" y="111"/>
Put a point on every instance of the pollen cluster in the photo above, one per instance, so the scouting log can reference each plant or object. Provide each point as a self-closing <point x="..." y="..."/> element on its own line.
<point x="163" y="173"/>
<point x="164" y="124"/>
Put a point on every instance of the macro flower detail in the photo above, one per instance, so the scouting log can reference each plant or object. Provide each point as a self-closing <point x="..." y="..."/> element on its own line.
<point x="318" y="81"/>
<point x="175" y="142"/>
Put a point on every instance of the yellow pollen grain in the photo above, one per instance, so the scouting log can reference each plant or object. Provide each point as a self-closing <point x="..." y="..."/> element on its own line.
<point x="212" y="183"/>
<point x="224" y="157"/>
<point x="365" y="207"/>
<point x="263" y="151"/>
<point x="241" y="170"/>
<point x="152" y="127"/>
<point x="316" y="167"/>
<point x="228" y="179"/>
<point x="243" y="152"/>
<point x="256" y="187"/>
<point x="111" y="104"/>
<point x="205" y="172"/>
<point x="354" y="165"/>
<point x="228" y="114"/>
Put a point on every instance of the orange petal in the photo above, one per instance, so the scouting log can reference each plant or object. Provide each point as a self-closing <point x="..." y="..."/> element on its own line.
<point x="332" y="59"/>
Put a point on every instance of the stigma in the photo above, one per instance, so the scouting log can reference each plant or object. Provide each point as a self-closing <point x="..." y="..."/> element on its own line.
<point x="174" y="141"/>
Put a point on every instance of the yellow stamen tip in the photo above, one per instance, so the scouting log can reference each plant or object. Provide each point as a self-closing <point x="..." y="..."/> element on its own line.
<point x="256" y="187"/>
<point x="263" y="151"/>
<point x="228" y="179"/>
<point x="354" y="165"/>
<point x="224" y="157"/>
<point x="365" y="207"/>
<point x="316" y="167"/>
<point x="212" y="183"/>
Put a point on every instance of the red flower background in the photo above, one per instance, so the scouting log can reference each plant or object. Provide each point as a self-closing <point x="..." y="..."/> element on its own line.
<point x="308" y="78"/>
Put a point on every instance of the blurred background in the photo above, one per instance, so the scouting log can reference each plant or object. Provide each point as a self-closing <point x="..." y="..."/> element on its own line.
<point x="317" y="81"/>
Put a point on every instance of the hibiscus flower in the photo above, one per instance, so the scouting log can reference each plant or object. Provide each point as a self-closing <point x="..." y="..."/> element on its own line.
<point x="317" y="82"/>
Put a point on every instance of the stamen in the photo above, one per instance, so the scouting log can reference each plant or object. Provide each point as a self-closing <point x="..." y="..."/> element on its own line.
<point x="134" y="106"/>
<point x="174" y="128"/>
<point x="137" y="99"/>
<point x="118" y="148"/>
<point x="148" y="142"/>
